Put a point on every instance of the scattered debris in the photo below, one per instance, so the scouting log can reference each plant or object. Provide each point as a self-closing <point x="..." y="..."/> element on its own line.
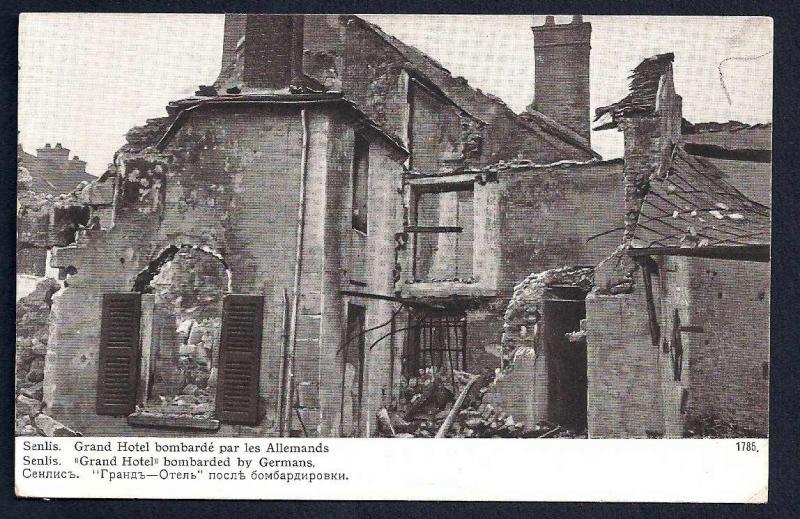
<point x="432" y="412"/>
<point x="715" y="427"/>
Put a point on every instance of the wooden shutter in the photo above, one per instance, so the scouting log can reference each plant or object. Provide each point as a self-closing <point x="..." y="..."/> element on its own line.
<point x="120" y="353"/>
<point x="239" y="359"/>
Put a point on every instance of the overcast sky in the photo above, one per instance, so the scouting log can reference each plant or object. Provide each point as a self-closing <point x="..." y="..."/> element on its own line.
<point x="85" y="79"/>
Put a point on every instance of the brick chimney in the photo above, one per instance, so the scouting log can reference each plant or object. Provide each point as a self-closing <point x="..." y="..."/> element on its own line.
<point x="562" y="72"/>
<point x="262" y="50"/>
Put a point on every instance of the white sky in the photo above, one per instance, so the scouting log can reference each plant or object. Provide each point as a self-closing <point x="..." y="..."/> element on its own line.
<point x="85" y="79"/>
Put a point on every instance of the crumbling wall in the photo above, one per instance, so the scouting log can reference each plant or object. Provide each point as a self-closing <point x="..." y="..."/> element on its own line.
<point x="231" y="182"/>
<point x="373" y="77"/>
<point x="188" y="301"/>
<point x="32" y="336"/>
<point x="547" y="216"/>
<point x="521" y="386"/>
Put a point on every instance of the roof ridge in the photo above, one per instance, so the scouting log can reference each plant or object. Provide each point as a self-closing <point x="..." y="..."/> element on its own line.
<point x="690" y="128"/>
<point x="553" y="125"/>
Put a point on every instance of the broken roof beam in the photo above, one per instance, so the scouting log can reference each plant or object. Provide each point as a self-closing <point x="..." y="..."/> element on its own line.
<point x="713" y="151"/>
<point x="644" y="90"/>
<point x="760" y="253"/>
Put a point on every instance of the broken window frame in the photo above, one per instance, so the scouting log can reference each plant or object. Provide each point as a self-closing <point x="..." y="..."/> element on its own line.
<point x="356" y="330"/>
<point x="432" y="185"/>
<point x="426" y="343"/>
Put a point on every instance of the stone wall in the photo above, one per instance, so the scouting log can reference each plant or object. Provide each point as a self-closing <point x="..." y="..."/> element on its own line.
<point x="546" y="215"/>
<point x="720" y="372"/>
<point x="521" y="388"/>
<point x="728" y="362"/>
<point x="624" y="383"/>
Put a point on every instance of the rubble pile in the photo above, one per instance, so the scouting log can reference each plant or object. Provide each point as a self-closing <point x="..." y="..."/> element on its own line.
<point x="428" y="401"/>
<point x="32" y="328"/>
<point x="192" y="402"/>
<point x="46" y="220"/>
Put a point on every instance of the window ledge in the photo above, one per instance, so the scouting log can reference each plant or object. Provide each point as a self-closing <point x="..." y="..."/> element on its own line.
<point x="172" y="421"/>
<point x="436" y="289"/>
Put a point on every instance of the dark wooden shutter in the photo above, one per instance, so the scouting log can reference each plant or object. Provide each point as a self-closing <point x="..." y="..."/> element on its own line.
<point x="120" y="353"/>
<point x="239" y="359"/>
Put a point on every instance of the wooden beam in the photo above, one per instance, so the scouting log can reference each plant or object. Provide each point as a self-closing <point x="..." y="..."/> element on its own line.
<point x="432" y="228"/>
<point x="655" y="330"/>
<point x="759" y="253"/>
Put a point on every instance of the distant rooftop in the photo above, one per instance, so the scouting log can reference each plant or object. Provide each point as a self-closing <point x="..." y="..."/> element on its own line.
<point x="52" y="171"/>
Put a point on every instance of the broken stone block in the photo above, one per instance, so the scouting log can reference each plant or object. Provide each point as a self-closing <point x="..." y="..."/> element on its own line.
<point x="35" y="375"/>
<point x="398" y="424"/>
<point x="21" y="423"/>
<point x="37" y="364"/>
<point x="37" y="347"/>
<point x="51" y="427"/>
<point x="28" y="406"/>
<point x="28" y="430"/>
<point x="441" y="415"/>
<point x="202" y="378"/>
<point x="204" y="408"/>
<point x="34" y="391"/>
<point x="190" y="389"/>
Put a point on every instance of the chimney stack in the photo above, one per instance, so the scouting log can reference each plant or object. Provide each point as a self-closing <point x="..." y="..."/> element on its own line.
<point x="562" y="72"/>
<point x="263" y="50"/>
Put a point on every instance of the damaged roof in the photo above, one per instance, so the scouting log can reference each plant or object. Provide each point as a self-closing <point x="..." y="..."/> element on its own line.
<point x="733" y="137"/>
<point x="473" y="100"/>
<point x="156" y="132"/>
<point x="689" y="128"/>
<point x="693" y="210"/>
<point x="643" y="95"/>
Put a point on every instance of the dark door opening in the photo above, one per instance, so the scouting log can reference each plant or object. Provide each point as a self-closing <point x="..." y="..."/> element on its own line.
<point x="354" y="355"/>
<point x="566" y="363"/>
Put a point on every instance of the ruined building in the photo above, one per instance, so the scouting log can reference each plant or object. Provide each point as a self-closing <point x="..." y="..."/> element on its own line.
<point x="51" y="169"/>
<point x="336" y="214"/>
<point x="702" y="249"/>
<point x="48" y="172"/>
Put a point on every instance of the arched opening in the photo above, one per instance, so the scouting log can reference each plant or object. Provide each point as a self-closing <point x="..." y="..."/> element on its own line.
<point x="188" y="285"/>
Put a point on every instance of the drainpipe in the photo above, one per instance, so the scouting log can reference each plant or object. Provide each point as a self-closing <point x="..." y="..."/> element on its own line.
<point x="284" y="358"/>
<point x="288" y="388"/>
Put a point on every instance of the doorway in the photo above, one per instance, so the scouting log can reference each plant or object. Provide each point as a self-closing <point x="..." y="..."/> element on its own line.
<point x="566" y="358"/>
<point x="354" y="359"/>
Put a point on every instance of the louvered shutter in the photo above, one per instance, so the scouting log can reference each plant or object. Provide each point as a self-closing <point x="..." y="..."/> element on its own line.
<point x="239" y="359"/>
<point x="120" y="353"/>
